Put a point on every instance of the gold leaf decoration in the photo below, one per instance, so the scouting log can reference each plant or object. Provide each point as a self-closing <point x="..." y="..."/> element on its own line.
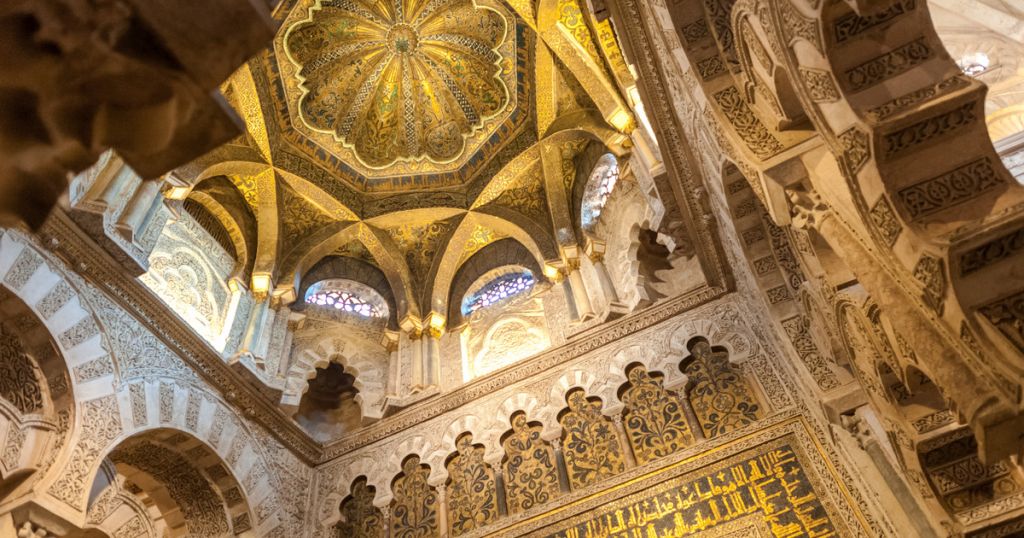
<point x="414" y="508"/>
<point x="720" y="396"/>
<point x="590" y="443"/>
<point x="655" y="419"/>
<point x="472" y="488"/>
<point x="360" y="518"/>
<point x="531" y="475"/>
<point x="400" y="79"/>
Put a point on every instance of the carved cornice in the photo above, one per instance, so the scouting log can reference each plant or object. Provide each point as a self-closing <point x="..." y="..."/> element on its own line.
<point x="81" y="254"/>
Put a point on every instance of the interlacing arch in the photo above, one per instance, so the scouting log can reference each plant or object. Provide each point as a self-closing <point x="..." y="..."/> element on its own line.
<point x="111" y="406"/>
<point x="369" y="370"/>
<point x="186" y="482"/>
<point x="437" y="444"/>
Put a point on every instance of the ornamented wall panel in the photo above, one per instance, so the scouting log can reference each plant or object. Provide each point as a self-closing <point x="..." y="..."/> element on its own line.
<point x="768" y="482"/>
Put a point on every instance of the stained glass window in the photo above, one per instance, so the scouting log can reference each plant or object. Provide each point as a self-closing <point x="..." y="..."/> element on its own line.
<point x="497" y="290"/>
<point x="599" y="188"/>
<point x="346" y="296"/>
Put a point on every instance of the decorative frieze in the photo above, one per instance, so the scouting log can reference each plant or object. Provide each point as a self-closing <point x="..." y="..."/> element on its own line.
<point x="694" y="32"/>
<point x="764" y="266"/>
<point x="710" y="67"/>
<point x="778" y="294"/>
<point x="885" y="221"/>
<point x="1007" y="315"/>
<point x="933" y="421"/>
<point x="54" y="299"/>
<point x="1004" y="247"/>
<point x="737" y="186"/>
<point x="950" y="189"/>
<point x="166" y="403"/>
<point x="908" y="100"/>
<point x="24" y="267"/>
<point x="901" y="142"/>
<point x="753" y="235"/>
<point x="797" y="25"/>
<point x="754" y="134"/>
<point x="894" y="62"/>
<point x="79" y="332"/>
<point x="930" y="272"/>
<point x="856" y="149"/>
<point x="819" y="84"/>
<point x="94" y="369"/>
<point x="852" y="24"/>
<point x="798" y="330"/>
<point x="745" y="208"/>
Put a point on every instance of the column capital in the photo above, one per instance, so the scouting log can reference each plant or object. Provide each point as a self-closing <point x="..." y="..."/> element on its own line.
<point x="595" y="249"/>
<point x="808" y="210"/>
<point x="262" y="283"/>
<point x="434" y="324"/>
<point x="412" y="325"/>
<point x="389" y="340"/>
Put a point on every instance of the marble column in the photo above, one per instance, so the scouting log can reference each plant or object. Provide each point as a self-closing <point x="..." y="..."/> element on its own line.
<point x="627" y="447"/>
<point x="386" y="516"/>
<point x="584" y="310"/>
<point x="691" y="415"/>
<point x="499" y="484"/>
<point x="442" y="511"/>
<point x="563" y="474"/>
<point x="416" y="343"/>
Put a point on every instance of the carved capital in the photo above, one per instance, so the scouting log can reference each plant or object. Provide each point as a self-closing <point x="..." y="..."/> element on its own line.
<point x="807" y="209"/>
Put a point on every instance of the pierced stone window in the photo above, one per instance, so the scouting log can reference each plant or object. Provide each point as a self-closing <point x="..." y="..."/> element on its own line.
<point x="599" y="187"/>
<point x="347" y="296"/>
<point x="500" y="288"/>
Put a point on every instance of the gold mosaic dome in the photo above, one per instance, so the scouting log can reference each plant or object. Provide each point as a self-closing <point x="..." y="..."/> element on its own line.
<point x="403" y="80"/>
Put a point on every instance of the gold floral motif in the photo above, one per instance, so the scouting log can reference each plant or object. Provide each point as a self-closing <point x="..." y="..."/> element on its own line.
<point x="472" y="489"/>
<point x="590" y="443"/>
<point x="654" y="420"/>
<point x="414" y="508"/>
<point x="419" y="243"/>
<point x="571" y="17"/>
<point x="480" y="237"/>
<point x="721" y="398"/>
<point x="359" y="517"/>
<point x="531" y="475"/>
<point x="301" y="218"/>
<point x="247" y="186"/>
<point x="400" y="80"/>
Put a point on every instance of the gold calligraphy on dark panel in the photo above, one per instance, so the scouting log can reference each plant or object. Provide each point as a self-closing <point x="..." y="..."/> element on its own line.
<point x="472" y="489"/>
<point x="359" y="517"/>
<point x="655" y="421"/>
<point x="720" y="397"/>
<point x="531" y="475"/>
<point x="590" y="444"/>
<point x="414" y="508"/>
<point x="772" y="486"/>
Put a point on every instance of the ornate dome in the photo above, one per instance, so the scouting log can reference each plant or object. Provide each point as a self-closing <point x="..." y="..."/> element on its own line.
<point x="401" y="80"/>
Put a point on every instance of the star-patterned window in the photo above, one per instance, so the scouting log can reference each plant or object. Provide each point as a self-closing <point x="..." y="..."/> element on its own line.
<point x="347" y="296"/>
<point x="498" y="290"/>
<point x="599" y="187"/>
